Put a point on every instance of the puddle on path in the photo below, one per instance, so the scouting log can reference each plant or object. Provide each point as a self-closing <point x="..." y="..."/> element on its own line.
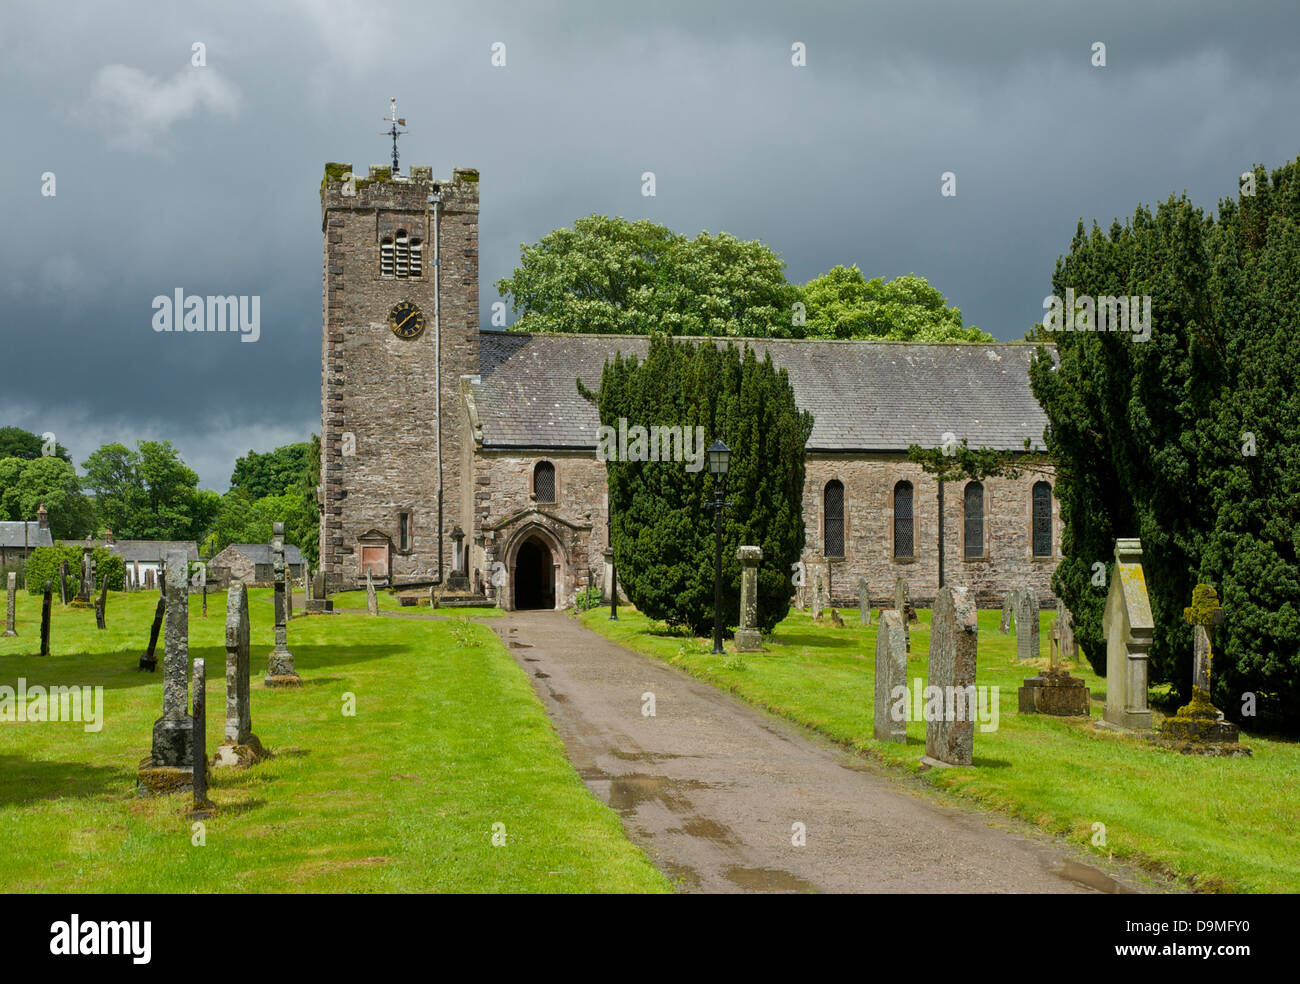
<point x="540" y="675"/>
<point x="767" y="880"/>
<point x="1090" y="876"/>
<point x="709" y="830"/>
<point x="628" y="792"/>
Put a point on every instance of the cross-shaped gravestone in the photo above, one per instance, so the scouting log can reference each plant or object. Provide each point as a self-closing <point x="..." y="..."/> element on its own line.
<point x="1203" y="613"/>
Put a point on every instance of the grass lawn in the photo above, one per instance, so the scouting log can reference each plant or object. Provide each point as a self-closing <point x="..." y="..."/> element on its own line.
<point x="388" y="602"/>
<point x="446" y="742"/>
<point x="1216" y="824"/>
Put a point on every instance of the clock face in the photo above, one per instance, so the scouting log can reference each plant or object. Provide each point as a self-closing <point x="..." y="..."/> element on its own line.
<point x="406" y="320"/>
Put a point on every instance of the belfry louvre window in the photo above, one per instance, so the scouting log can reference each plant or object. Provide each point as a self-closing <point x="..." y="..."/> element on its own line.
<point x="974" y="520"/>
<point x="417" y="258"/>
<point x="903" y="521"/>
<point x="1042" y="502"/>
<point x="544" y="482"/>
<point x="386" y="256"/>
<point x="401" y="256"/>
<point x="833" y="513"/>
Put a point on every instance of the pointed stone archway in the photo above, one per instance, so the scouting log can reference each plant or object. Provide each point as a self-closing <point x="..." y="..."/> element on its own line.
<point x="535" y="568"/>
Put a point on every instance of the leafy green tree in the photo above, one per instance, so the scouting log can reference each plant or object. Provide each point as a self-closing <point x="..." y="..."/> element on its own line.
<point x="148" y="493"/>
<point x="18" y="443"/>
<point x="26" y="484"/>
<point x="1187" y="439"/>
<point x="243" y="519"/>
<point x="842" y="303"/>
<point x="45" y="562"/>
<point x="275" y="471"/>
<point x="662" y="528"/>
<point x="609" y="275"/>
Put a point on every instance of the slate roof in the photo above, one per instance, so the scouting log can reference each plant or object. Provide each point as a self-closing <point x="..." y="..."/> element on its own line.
<point x="260" y="553"/>
<point x="148" y="551"/>
<point x="11" y="534"/>
<point x="864" y="395"/>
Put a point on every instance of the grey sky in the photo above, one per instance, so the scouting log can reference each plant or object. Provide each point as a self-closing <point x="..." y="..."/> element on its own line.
<point x="208" y="178"/>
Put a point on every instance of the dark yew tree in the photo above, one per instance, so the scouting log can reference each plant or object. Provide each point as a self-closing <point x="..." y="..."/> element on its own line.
<point x="662" y="521"/>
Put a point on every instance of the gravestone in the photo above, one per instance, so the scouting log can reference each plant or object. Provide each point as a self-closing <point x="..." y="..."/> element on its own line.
<point x="148" y="578"/>
<point x="954" y="644"/>
<point x="891" y="673"/>
<point x="864" y="602"/>
<point x="1054" y="692"/>
<point x="1067" y="647"/>
<point x="372" y="602"/>
<point x="1008" y="612"/>
<point x="240" y="746"/>
<point x="1199" y="723"/>
<point x="149" y="661"/>
<point x="288" y="593"/>
<point x="1027" y="645"/>
<point x="203" y="585"/>
<point x="1129" y="630"/>
<point x="101" y="605"/>
<point x="280" y="671"/>
<point x="45" y="618"/>
<point x="170" y="766"/>
<point x="748" y="638"/>
<point x="815" y="601"/>
<point x="63" y="582"/>
<point x="316" y="600"/>
<point x="87" y="589"/>
<point x="903" y="605"/>
<point x="11" y="602"/>
<point x="200" y="719"/>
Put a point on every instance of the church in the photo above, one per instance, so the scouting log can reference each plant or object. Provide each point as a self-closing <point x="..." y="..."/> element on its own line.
<point x="466" y="458"/>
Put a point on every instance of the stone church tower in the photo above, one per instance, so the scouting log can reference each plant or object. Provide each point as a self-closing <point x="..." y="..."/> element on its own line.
<point x="400" y="327"/>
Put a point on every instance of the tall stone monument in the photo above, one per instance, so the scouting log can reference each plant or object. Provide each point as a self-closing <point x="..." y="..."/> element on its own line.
<point x="864" y="602"/>
<point x="11" y="603"/>
<point x="240" y="746"/>
<point x="372" y="602"/>
<point x="903" y="605"/>
<point x="170" y="766"/>
<point x="1027" y="644"/>
<point x="1129" y="630"/>
<point x="748" y="638"/>
<point x="87" y="590"/>
<point x="954" y="645"/>
<point x="816" y="602"/>
<point x="149" y="660"/>
<point x="200" y="718"/>
<point x="1008" y="611"/>
<point x="280" y="671"/>
<point x="101" y="607"/>
<point x="891" y="672"/>
<point x="46" y="601"/>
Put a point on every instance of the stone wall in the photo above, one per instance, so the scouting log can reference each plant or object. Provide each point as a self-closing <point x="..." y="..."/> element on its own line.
<point x="379" y="390"/>
<point x="869" y="482"/>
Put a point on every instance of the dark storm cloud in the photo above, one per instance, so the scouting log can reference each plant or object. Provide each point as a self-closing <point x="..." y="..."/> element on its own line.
<point x="207" y="178"/>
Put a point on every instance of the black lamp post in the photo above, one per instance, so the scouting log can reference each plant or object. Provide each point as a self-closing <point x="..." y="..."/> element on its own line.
<point x="719" y="462"/>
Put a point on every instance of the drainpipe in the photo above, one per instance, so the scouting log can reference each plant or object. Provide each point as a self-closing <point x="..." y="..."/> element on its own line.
<point x="436" y="200"/>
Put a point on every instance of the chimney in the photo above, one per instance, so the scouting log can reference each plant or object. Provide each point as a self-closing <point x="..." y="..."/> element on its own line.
<point x="42" y="518"/>
<point x="108" y="538"/>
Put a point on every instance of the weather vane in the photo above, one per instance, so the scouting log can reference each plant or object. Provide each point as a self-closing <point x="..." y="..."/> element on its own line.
<point x="393" y="130"/>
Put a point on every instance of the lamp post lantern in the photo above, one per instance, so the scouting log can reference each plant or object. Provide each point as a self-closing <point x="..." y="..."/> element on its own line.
<point x="719" y="463"/>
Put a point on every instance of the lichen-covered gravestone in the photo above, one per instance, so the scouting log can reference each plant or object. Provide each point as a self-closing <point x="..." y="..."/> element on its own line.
<point x="1008" y="612"/>
<point x="170" y="766"/>
<point x="954" y="646"/>
<point x="101" y="607"/>
<point x="891" y="673"/>
<point x="11" y="601"/>
<point x="816" y="602"/>
<point x="200" y="719"/>
<point x="748" y="638"/>
<point x="87" y="589"/>
<point x="864" y="602"/>
<point x="1129" y="630"/>
<point x="372" y="602"/>
<point x="1027" y="646"/>
<point x="240" y="746"/>
<point x="63" y="582"/>
<point x="280" y="670"/>
<point x="1199" y="724"/>
<point x="903" y="605"/>
<point x="1054" y="692"/>
<point x="149" y="661"/>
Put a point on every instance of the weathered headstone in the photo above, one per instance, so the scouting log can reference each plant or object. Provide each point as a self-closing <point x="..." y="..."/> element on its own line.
<point x="280" y="671"/>
<point x="87" y="589"/>
<point x="149" y="661"/>
<point x="1067" y="647"/>
<point x="891" y="673"/>
<point x="63" y="582"/>
<point x="372" y="602"/>
<point x="11" y="602"/>
<point x="954" y="645"/>
<point x="864" y="602"/>
<point x="200" y="722"/>
<point x="240" y="746"/>
<point x="288" y="593"/>
<point x="748" y="637"/>
<point x="1199" y="722"/>
<point x="316" y="600"/>
<point x="1027" y="645"/>
<point x="1055" y="691"/>
<point x="203" y="585"/>
<point x="148" y="579"/>
<point x="903" y="605"/>
<point x="46" y="601"/>
<point x="1008" y="612"/>
<point x="1129" y="630"/>
<point x="170" y="767"/>
<point x="101" y="606"/>
<point x="815" y="600"/>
